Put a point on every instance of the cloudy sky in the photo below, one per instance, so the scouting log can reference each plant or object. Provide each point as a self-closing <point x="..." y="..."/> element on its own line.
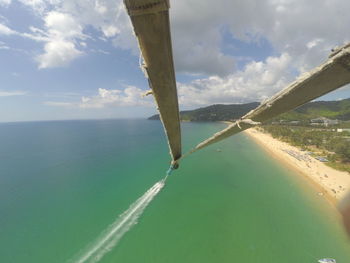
<point x="78" y="59"/>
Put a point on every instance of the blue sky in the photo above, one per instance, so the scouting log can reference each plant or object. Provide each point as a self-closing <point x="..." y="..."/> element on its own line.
<point x="78" y="59"/>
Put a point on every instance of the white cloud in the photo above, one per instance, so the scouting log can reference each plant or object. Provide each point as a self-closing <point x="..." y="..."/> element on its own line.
<point x="41" y="6"/>
<point x="62" y="32"/>
<point x="58" y="104"/>
<point x="4" y="93"/>
<point x="256" y="82"/>
<point x="202" y="59"/>
<point x="107" y="16"/>
<point x="4" y="30"/>
<point x="3" y="45"/>
<point x="61" y="25"/>
<point x="61" y="36"/>
<point x="5" y="2"/>
<point x="110" y="30"/>
<point x="58" y="53"/>
<point x="65" y="21"/>
<point x="301" y="33"/>
<point x="60" y="94"/>
<point x="305" y="29"/>
<point x="130" y="96"/>
<point x="314" y="43"/>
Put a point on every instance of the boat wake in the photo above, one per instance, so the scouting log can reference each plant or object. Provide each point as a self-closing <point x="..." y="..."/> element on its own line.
<point x="112" y="235"/>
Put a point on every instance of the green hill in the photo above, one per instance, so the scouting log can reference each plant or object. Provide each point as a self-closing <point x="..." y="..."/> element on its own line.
<point x="330" y="109"/>
<point x="219" y="112"/>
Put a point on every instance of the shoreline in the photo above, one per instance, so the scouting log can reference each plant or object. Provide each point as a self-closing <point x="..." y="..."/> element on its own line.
<point x="330" y="183"/>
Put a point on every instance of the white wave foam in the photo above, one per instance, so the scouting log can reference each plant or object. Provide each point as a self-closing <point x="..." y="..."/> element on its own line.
<point x="111" y="236"/>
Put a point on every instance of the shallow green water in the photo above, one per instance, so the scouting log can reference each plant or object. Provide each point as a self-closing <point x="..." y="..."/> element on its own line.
<point x="62" y="183"/>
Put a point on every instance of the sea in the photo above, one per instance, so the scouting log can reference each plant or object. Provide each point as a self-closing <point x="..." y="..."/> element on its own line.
<point x="94" y="191"/>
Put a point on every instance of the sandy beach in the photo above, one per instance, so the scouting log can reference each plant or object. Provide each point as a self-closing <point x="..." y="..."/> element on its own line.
<point x="331" y="183"/>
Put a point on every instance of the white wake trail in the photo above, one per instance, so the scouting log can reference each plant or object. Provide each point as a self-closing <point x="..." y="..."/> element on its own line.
<point x="111" y="236"/>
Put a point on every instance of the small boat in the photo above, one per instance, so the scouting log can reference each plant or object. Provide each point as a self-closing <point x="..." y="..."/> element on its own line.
<point x="327" y="260"/>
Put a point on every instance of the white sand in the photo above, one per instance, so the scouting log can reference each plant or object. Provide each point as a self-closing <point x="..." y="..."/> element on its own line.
<point x="332" y="183"/>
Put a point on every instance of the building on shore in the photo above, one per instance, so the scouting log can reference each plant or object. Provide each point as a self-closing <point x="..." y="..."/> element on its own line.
<point x="343" y="130"/>
<point x="322" y="121"/>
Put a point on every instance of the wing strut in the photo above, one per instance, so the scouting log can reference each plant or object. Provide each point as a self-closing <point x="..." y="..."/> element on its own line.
<point x="331" y="75"/>
<point x="150" y="19"/>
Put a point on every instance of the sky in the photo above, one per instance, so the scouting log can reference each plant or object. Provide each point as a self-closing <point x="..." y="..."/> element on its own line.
<point x="79" y="59"/>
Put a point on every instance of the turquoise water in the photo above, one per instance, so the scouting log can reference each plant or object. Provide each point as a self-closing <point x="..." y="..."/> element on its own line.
<point x="63" y="183"/>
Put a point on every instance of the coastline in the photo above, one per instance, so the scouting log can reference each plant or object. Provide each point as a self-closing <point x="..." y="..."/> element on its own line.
<point x="330" y="183"/>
